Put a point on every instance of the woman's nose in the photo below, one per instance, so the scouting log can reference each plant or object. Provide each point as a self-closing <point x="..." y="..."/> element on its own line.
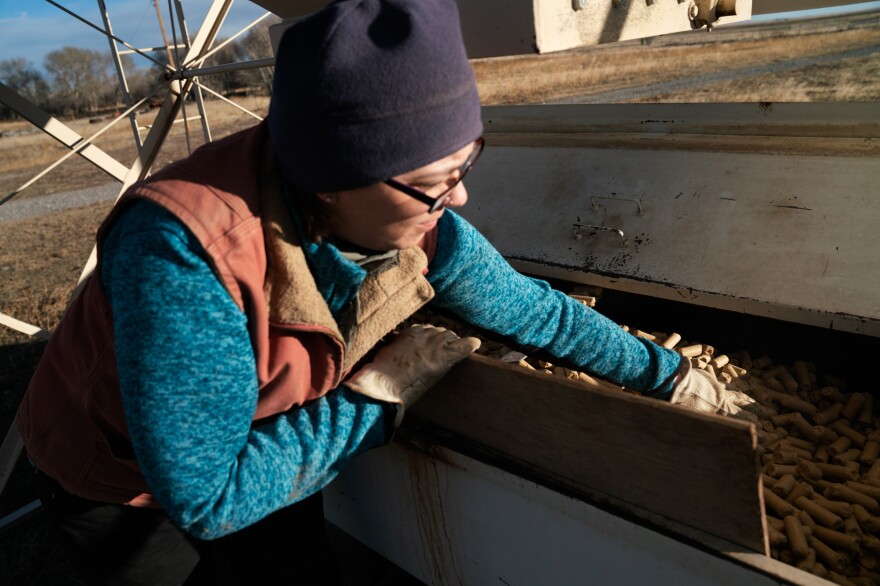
<point x="457" y="197"/>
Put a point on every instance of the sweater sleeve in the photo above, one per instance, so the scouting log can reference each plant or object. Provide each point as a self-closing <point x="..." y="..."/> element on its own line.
<point x="472" y="280"/>
<point x="189" y="388"/>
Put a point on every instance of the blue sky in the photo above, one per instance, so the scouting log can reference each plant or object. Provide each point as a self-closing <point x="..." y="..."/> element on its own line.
<point x="32" y="28"/>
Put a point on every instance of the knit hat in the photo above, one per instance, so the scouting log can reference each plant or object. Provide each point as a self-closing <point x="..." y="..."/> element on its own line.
<point x="365" y="90"/>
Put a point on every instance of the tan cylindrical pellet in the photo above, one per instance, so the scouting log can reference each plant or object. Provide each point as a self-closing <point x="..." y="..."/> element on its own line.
<point x="860" y="581"/>
<point x="708" y="350"/>
<point x="867" y="410"/>
<point x="545" y="365"/>
<point x="784" y="418"/>
<point x="779" y="470"/>
<point x="867" y="521"/>
<point x="525" y="364"/>
<point x="835" y="472"/>
<point x="820" y="514"/>
<point x="711" y="370"/>
<point x="774" y="384"/>
<point x="853" y="406"/>
<point x="793" y="403"/>
<point x="871" y="491"/>
<point x="720" y="361"/>
<point x="584" y="377"/>
<point x="762" y="362"/>
<point x="842" y="492"/>
<point x="819" y="570"/>
<point x="645" y="335"/>
<point x="784" y="485"/>
<point x="801" y="454"/>
<point x="866" y="573"/>
<point x="776" y="537"/>
<point x="839" y="508"/>
<point x="571" y="374"/>
<point x="777" y="504"/>
<point x="821" y="455"/>
<point x="768" y="480"/>
<point x="800" y="443"/>
<point x="776" y="523"/>
<point x="735" y="371"/>
<point x="874" y="470"/>
<point x="806" y="564"/>
<point x="841" y="427"/>
<point x="832" y="392"/>
<point x="691" y="351"/>
<point x="851" y="455"/>
<point x="800" y="489"/>
<point x="814" y="433"/>
<point x="828" y="435"/>
<point x="802" y="375"/>
<point x="808" y="470"/>
<point x="851" y="526"/>
<point x="828" y="415"/>
<point x="836" y="539"/>
<point x="797" y="541"/>
<point x="671" y="340"/>
<point x="872" y="544"/>
<point x="826" y="554"/>
<point x="785" y="457"/>
<point x="786" y="379"/>
<point x="840" y="580"/>
<point x="840" y="445"/>
<point x="870" y="452"/>
<point x="806" y="520"/>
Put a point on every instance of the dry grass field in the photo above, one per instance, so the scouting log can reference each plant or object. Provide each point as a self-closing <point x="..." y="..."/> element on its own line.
<point x="832" y="59"/>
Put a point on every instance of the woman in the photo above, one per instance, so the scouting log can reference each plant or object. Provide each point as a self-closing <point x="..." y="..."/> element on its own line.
<point x="219" y="368"/>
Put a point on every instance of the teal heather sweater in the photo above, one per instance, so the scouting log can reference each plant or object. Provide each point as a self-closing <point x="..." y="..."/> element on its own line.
<point x="188" y="379"/>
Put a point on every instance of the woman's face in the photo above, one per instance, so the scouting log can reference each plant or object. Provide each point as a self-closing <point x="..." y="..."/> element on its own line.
<point x="379" y="217"/>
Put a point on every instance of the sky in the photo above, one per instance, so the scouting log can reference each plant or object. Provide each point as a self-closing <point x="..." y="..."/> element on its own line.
<point x="32" y="28"/>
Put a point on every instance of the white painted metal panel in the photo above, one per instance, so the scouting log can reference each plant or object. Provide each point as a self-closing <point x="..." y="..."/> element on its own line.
<point x="757" y="230"/>
<point x="448" y="519"/>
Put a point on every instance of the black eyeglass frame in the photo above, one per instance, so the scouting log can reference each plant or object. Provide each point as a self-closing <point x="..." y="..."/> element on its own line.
<point x="436" y="203"/>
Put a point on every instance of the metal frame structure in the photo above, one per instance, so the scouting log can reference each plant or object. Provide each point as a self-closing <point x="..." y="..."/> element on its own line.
<point x="181" y="80"/>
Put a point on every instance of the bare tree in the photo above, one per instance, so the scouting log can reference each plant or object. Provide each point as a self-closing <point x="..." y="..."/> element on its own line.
<point x="80" y="78"/>
<point x="20" y="75"/>
<point x="257" y="45"/>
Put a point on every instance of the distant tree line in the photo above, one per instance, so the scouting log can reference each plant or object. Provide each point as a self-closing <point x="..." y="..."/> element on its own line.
<point x="83" y="82"/>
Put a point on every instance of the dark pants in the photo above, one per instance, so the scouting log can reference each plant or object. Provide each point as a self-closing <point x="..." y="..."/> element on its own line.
<point x="122" y="545"/>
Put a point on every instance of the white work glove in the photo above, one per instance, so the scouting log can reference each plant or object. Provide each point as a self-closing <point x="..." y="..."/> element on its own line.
<point x="403" y="370"/>
<point x="700" y="391"/>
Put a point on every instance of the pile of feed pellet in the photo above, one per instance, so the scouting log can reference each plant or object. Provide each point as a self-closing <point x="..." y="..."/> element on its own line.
<point x="819" y="443"/>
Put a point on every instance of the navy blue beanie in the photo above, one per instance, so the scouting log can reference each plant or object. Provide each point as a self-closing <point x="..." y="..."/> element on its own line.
<point x="365" y="90"/>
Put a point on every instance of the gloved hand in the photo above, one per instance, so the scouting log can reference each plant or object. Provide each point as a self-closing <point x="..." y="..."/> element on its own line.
<point x="403" y="370"/>
<point x="700" y="391"/>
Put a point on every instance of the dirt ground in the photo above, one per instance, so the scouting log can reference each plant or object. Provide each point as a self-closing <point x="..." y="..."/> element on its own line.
<point x="832" y="59"/>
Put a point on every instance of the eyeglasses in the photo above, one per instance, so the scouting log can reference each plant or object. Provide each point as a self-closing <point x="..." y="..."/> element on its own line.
<point x="438" y="201"/>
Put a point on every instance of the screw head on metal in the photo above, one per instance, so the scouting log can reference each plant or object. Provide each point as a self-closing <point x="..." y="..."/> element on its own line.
<point x="693" y="11"/>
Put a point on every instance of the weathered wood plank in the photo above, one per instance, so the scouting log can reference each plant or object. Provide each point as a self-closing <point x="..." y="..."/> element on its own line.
<point x="685" y="468"/>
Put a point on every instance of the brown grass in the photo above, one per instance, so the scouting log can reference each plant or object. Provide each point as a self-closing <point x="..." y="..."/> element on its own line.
<point x="631" y="64"/>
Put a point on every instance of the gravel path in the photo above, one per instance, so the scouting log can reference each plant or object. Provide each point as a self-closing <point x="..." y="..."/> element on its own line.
<point x="45" y="204"/>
